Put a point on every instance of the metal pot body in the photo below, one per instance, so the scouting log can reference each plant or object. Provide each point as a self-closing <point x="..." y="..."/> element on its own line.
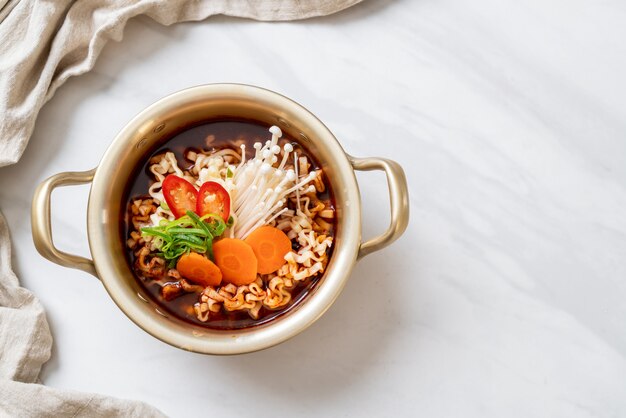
<point x="147" y="132"/>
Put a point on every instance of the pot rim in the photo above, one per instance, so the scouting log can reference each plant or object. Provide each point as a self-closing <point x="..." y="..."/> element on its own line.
<point x="279" y="329"/>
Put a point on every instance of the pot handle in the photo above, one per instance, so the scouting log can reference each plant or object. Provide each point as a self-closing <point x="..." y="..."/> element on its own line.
<point x="40" y="220"/>
<point x="398" y="198"/>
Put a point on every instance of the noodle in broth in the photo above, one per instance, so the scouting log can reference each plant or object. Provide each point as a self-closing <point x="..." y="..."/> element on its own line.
<point x="271" y="181"/>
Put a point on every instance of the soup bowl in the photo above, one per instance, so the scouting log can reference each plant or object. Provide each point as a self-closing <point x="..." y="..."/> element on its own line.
<point x="149" y="130"/>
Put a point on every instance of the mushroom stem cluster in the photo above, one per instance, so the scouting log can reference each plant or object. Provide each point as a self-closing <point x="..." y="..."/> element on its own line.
<point x="262" y="185"/>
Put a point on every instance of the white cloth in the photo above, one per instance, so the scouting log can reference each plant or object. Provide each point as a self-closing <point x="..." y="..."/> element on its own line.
<point x="42" y="44"/>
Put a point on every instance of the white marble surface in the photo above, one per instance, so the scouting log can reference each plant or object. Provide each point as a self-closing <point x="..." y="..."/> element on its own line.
<point x="507" y="294"/>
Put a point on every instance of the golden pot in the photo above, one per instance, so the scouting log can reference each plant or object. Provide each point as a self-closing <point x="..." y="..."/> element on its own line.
<point x="144" y="134"/>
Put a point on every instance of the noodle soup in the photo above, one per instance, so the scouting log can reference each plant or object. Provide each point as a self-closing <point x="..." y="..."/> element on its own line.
<point x="229" y="225"/>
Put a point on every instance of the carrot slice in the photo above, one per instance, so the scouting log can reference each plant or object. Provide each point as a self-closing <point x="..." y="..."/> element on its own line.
<point x="270" y="245"/>
<point x="199" y="269"/>
<point x="236" y="260"/>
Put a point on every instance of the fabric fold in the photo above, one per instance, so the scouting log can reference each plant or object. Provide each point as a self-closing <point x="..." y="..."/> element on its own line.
<point x="44" y="42"/>
<point x="26" y="344"/>
<point x="25" y="339"/>
<point x="31" y="400"/>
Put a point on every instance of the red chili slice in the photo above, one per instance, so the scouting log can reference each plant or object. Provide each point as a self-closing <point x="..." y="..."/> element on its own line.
<point x="180" y="195"/>
<point x="213" y="198"/>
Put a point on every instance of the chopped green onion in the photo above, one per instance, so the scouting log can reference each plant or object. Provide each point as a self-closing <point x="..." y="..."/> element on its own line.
<point x="189" y="238"/>
<point x="217" y="227"/>
<point x="156" y="233"/>
<point x="193" y="231"/>
<point x="187" y="233"/>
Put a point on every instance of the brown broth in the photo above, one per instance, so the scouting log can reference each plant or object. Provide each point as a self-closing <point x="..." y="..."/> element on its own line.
<point x="224" y="134"/>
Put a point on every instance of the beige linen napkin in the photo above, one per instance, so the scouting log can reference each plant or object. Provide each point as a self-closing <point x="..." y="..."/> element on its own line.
<point x="42" y="44"/>
<point x="25" y="344"/>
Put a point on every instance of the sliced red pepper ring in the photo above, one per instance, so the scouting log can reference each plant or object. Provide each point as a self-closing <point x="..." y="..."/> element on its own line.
<point x="213" y="198"/>
<point x="179" y="194"/>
